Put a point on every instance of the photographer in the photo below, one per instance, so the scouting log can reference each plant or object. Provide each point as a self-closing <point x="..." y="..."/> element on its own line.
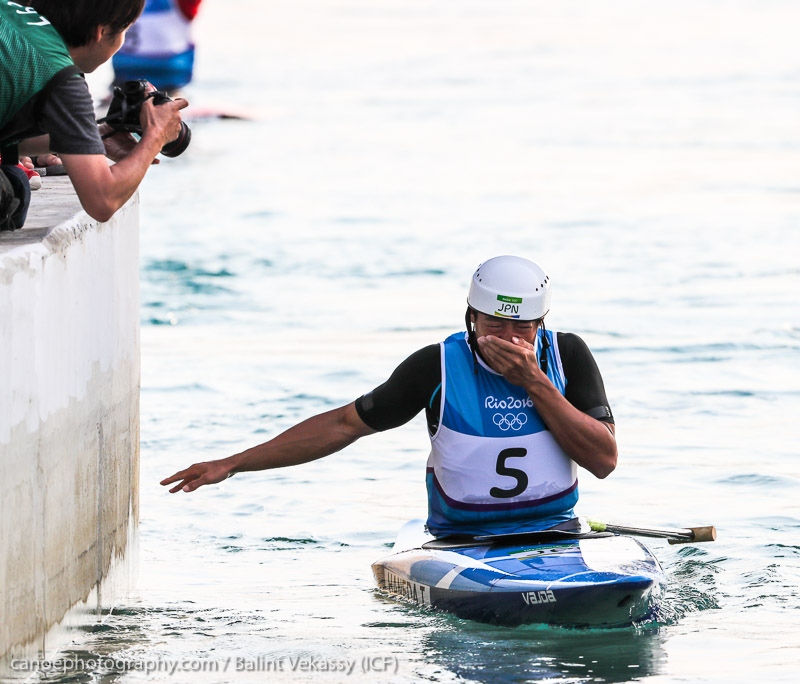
<point x="45" y="104"/>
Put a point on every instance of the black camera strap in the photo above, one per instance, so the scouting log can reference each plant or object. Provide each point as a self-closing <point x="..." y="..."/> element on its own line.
<point x="10" y="154"/>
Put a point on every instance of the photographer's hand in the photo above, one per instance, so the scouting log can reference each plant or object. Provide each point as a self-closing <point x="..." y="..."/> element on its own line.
<point x="118" y="145"/>
<point x="163" y="120"/>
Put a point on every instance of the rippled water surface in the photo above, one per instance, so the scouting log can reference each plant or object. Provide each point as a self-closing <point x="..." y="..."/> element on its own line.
<point x="646" y="153"/>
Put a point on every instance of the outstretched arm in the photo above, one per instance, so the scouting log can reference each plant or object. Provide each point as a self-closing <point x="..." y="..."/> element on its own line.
<point x="587" y="441"/>
<point x="314" y="438"/>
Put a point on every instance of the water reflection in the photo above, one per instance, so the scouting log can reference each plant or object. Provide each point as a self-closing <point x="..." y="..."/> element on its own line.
<point x="488" y="654"/>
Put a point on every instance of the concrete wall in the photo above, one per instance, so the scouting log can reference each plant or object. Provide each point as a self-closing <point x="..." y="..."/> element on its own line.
<point x="69" y="413"/>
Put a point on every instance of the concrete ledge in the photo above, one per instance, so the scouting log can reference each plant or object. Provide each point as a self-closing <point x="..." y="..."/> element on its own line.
<point x="69" y="412"/>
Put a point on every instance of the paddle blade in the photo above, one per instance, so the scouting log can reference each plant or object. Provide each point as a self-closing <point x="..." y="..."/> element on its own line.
<point x="701" y="534"/>
<point x="689" y="535"/>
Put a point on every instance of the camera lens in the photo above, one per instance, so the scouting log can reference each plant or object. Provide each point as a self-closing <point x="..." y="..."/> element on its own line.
<point x="179" y="145"/>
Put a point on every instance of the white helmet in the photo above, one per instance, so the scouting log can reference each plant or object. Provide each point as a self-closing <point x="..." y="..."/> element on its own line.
<point x="510" y="287"/>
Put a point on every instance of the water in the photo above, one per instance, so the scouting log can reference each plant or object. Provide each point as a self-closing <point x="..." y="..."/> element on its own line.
<point x="646" y="154"/>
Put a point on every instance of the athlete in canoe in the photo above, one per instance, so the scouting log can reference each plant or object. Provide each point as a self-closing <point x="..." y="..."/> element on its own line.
<point x="512" y="410"/>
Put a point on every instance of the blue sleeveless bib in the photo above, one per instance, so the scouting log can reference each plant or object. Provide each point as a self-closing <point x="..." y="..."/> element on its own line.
<point x="494" y="467"/>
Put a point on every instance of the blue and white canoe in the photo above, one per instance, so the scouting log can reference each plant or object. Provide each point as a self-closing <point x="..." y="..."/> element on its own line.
<point x="577" y="579"/>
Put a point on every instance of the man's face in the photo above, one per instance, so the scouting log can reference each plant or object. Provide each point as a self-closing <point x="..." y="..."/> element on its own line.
<point x="100" y="50"/>
<point x="111" y="42"/>
<point x="504" y="328"/>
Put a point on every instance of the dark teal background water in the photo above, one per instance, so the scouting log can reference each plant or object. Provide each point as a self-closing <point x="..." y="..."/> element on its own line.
<point x="646" y="154"/>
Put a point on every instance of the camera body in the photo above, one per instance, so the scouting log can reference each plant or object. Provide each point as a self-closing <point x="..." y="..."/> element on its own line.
<point x="125" y="108"/>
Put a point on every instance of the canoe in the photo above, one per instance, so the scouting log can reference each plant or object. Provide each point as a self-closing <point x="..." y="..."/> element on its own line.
<point x="576" y="579"/>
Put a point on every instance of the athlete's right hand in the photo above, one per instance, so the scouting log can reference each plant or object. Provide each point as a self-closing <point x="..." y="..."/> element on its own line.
<point x="515" y="360"/>
<point x="197" y="475"/>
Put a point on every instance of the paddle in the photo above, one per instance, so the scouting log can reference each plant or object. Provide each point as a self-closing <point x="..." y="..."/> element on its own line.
<point x="682" y="536"/>
<point x="530" y="537"/>
<point x="598" y="531"/>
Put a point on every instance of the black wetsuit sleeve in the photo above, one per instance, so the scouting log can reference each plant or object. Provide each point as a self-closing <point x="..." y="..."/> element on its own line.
<point x="413" y="386"/>
<point x="585" y="389"/>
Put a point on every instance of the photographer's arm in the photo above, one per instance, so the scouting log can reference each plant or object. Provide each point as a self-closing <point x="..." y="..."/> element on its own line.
<point x="103" y="189"/>
<point x="32" y="147"/>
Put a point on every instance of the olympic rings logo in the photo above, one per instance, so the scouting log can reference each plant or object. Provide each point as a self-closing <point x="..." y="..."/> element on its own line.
<point x="509" y="421"/>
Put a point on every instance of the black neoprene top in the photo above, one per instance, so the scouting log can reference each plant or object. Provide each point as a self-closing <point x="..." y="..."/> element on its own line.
<point x="416" y="385"/>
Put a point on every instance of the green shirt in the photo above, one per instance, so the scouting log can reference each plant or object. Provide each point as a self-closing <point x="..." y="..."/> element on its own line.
<point x="34" y="57"/>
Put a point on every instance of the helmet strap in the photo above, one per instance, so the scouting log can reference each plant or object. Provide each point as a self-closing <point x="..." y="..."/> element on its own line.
<point x="544" y="345"/>
<point x="472" y="338"/>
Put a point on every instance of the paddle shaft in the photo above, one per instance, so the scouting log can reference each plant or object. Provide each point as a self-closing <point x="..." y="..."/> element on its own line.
<point x="683" y="536"/>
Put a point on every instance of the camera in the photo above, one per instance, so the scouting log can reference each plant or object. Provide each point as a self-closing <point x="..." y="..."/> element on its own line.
<point x="126" y="104"/>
